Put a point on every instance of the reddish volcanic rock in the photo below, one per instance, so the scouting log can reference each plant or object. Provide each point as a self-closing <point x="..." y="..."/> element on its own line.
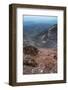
<point x="45" y="60"/>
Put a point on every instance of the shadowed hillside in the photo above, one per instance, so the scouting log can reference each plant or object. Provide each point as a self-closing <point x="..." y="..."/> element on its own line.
<point x="44" y="39"/>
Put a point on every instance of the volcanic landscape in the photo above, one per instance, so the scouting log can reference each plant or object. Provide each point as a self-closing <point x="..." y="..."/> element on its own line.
<point x="40" y="51"/>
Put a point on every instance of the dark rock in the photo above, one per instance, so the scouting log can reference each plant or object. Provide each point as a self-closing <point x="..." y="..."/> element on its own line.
<point x="55" y="57"/>
<point x="30" y="50"/>
<point x="30" y="62"/>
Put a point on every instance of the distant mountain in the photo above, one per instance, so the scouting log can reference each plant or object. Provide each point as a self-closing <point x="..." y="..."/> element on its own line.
<point x="42" y="38"/>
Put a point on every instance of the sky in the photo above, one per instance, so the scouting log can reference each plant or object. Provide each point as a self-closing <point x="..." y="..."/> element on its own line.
<point x="45" y="19"/>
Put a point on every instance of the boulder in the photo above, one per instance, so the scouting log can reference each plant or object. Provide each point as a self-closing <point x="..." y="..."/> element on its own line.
<point x="30" y="50"/>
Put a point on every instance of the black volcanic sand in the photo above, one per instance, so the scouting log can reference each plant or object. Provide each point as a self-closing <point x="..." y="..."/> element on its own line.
<point x="43" y="62"/>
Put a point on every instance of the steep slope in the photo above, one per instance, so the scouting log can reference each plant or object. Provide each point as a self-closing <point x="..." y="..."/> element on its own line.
<point x="47" y="39"/>
<point x="43" y="39"/>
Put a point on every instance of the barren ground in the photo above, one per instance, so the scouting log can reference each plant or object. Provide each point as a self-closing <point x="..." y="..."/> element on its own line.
<point x="46" y="61"/>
